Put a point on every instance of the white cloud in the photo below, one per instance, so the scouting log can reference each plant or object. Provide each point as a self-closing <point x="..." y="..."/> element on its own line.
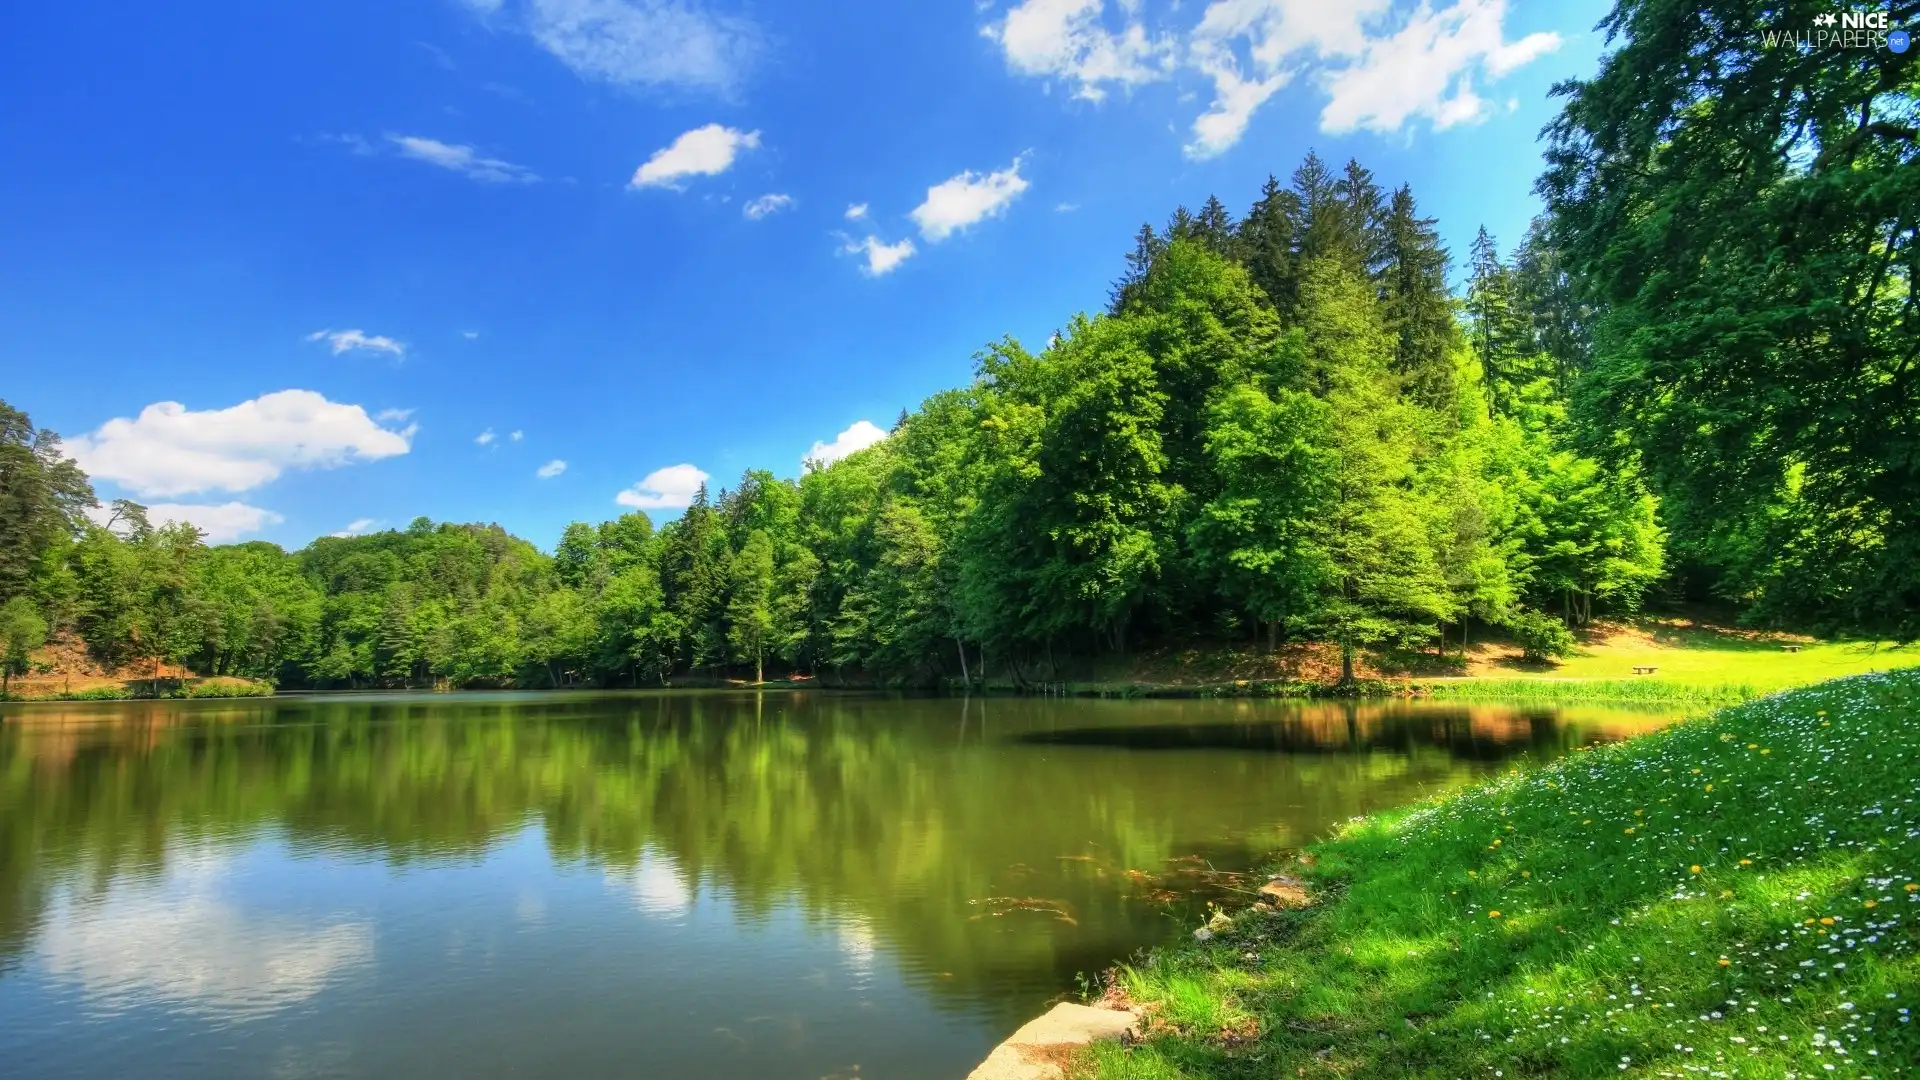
<point x="551" y="469"/>
<point x="704" y="151"/>
<point x="862" y="434"/>
<point x="856" y="211"/>
<point x="1068" y="39"/>
<point x="1380" y="67"/>
<point x="954" y="204"/>
<point x="516" y="435"/>
<point x="671" y="488"/>
<point x="470" y="335"/>
<point x="1065" y="207"/>
<point x="349" y="340"/>
<point x="222" y="523"/>
<point x="1426" y="69"/>
<point x="766" y="204"/>
<point x="881" y="258"/>
<point x="356" y="527"/>
<point x="486" y="437"/>
<point x="464" y="160"/>
<point x="393" y="415"/>
<point x="172" y="450"/>
<point x="644" y="43"/>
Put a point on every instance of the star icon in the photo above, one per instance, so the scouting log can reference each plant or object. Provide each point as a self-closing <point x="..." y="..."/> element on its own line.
<point x="1826" y="19"/>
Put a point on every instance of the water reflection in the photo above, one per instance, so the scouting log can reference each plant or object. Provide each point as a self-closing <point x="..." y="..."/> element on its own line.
<point x="745" y="854"/>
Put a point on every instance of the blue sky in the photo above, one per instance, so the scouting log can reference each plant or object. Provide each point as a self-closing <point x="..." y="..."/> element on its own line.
<point x="297" y="268"/>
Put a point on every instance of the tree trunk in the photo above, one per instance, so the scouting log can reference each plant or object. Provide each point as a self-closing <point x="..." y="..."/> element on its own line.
<point x="1273" y="635"/>
<point x="1346" y="664"/>
<point x="759" y="667"/>
<point x="966" y="680"/>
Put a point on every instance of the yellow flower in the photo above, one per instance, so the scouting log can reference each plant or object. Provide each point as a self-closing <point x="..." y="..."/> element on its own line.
<point x="1694" y="869"/>
<point x="1724" y="961"/>
<point x="1638" y="813"/>
<point x="1809" y="922"/>
<point x="1764" y="753"/>
<point x="1529" y="873"/>
<point x="1911" y="887"/>
<point x="1709" y="787"/>
<point x="1493" y="914"/>
<point x="1746" y="862"/>
<point x="1629" y="830"/>
<point x="1872" y="903"/>
<point x="1753" y="746"/>
<point x="1826" y="920"/>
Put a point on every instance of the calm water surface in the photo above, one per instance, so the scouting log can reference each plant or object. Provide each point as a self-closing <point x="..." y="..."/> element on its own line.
<point x="731" y="885"/>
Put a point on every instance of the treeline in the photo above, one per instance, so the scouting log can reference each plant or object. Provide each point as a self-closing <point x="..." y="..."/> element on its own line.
<point x="1284" y="428"/>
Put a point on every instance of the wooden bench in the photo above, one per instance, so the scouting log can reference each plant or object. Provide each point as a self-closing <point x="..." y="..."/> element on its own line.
<point x="1644" y="669"/>
<point x="1790" y="648"/>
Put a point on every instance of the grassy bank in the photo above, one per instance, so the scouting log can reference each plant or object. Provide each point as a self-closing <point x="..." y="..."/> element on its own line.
<point x="1628" y="691"/>
<point x="142" y="690"/>
<point x="1734" y="896"/>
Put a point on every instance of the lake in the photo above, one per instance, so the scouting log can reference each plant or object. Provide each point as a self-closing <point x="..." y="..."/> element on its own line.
<point x="704" y="884"/>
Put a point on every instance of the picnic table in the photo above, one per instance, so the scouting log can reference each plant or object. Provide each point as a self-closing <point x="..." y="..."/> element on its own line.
<point x="1644" y="669"/>
<point x="1791" y="648"/>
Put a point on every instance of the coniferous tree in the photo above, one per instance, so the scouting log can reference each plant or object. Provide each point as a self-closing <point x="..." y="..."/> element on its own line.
<point x="1266" y="244"/>
<point x="1416" y="304"/>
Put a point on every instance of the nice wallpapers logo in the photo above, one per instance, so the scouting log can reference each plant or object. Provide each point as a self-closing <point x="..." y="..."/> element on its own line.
<point x="1843" y="30"/>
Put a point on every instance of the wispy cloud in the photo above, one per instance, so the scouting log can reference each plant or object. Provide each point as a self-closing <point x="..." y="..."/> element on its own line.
<point x="765" y="205"/>
<point x="637" y="43"/>
<point x="856" y="211"/>
<point x="1379" y="65"/>
<point x="356" y="527"/>
<point x="551" y="469"/>
<point x="462" y="159"/>
<point x="343" y="341"/>
<point x="485" y="438"/>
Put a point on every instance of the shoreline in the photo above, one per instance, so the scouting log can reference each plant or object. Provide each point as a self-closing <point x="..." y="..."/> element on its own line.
<point x="1545" y="690"/>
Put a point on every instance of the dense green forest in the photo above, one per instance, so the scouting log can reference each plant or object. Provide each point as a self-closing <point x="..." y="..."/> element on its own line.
<point x="1693" y="377"/>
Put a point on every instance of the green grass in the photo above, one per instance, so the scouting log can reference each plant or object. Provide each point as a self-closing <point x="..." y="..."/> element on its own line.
<point x="1708" y="656"/>
<point x="1735" y="896"/>
<point x="142" y="691"/>
<point x="1649" y="690"/>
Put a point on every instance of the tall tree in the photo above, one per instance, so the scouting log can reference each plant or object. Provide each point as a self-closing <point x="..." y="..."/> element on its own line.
<point x="1416" y="303"/>
<point x="750" y="603"/>
<point x="22" y="630"/>
<point x="1266" y="244"/>
<point x="42" y="498"/>
<point x="1745" y="218"/>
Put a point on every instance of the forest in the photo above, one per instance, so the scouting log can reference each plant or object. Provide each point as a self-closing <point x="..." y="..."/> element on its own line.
<point x="1692" y="378"/>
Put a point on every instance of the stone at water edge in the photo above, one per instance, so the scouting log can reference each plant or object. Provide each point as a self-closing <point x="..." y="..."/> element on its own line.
<point x="1203" y="934"/>
<point x="1220" y="923"/>
<point x="1033" y="1052"/>
<point x="1285" y="892"/>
